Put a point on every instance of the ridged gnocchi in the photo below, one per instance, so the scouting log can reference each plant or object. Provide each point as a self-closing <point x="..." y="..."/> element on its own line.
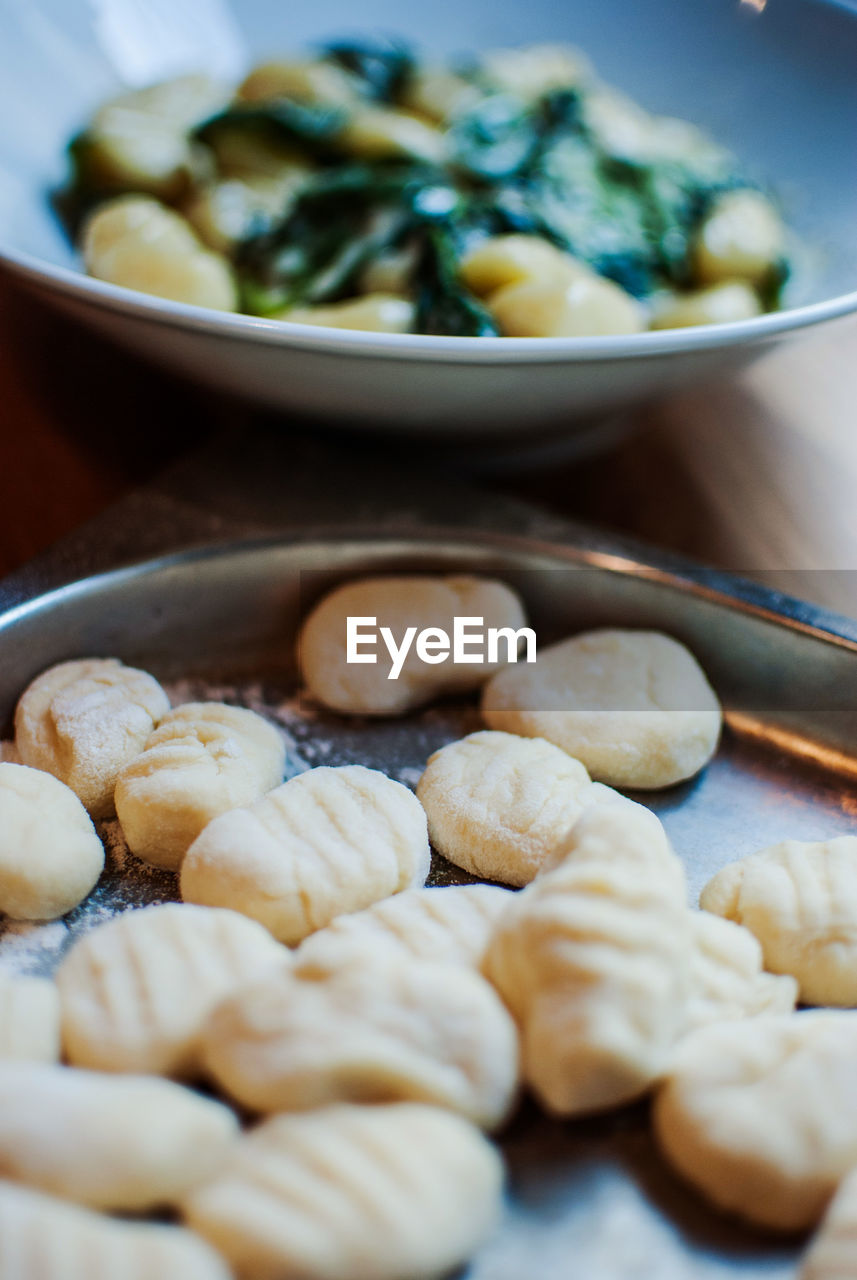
<point x="328" y="841"/>
<point x="727" y="977"/>
<point x="384" y="1191"/>
<point x="29" y="1019"/>
<point x="83" y="721"/>
<point x="367" y="1031"/>
<point x="634" y="707"/>
<point x="50" y="854"/>
<point x="137" y="992"/>
<point x="203" y="759"/>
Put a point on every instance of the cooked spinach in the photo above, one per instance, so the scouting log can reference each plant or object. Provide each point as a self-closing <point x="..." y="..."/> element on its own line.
<point x="310" y="127"/>
<point x="444" y="306"/>
<point x="381" y="66"/>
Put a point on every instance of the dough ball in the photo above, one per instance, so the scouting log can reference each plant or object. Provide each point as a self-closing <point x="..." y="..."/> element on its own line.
<point x="204" y="759"/>
<point x="633" y="706"/>
<point x="50" y="855"/>
<point x="42" y="1238"/>
<point x="29" y="1020"/>
<point x="498" y="804"/>
<point x="800" y="901"/>
<point x="368" y="1032"/>
<point x="111" y="1142"/>
<point x="614" y="829"/>
<point x="591" y="959"/>
<point x="399" y="604"/>
<point x="761" y="1114"/>
<point x="385" y="1191"/>
<point x="727" y="976"/>
<point x="451" y="924"/>
<point x="325" y="842"/>
<point x="833" y="1253"/>
<point x="137" y="992"/>
<point x="84" y="721"/>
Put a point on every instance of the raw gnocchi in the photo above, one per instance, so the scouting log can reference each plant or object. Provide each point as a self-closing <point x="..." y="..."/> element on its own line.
<point x="50" y="854"/>
<point x="136" y="992"/>
<point x="760" y="1115"/>
<point x="591" y="959"/>
<point x="368" y="1031"/>
<point x="29" y="1019"/>
<point x="328" y="841"/>
<point x="833" y="1253"/>
<point x="203" y="759"/>
<point x="84" y="721"/>
<point x="42" y="1238"/>
<point x="399" y="604"/>
<point x="727" y="978"/>
<point x="110" y="1142"/>
<point x="800" y="901"/>
<point x="384" y="1191"/>
<point x="633" y="706"/>
<point x="498" y="804"/>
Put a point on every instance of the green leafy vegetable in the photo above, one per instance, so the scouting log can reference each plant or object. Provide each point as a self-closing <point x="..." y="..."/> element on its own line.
<point x="382" y="66"/>
<point x="308" y="126"/>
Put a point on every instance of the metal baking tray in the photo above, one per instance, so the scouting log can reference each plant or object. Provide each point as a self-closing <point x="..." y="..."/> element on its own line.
<point x="588" y="1200"/>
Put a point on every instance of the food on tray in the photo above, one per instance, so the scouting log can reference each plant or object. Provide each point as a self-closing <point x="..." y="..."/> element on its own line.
<point x="452" y="924"/>
<point x="633" y="706"/>
<point x="800" y="901"/>
<point x="50" y="854"/>
<point x="84" y="721"/>
<point x="498" y="804"/>
<point x="408" y="608"/>
<point x="137" y="992"/>
<point x="108" y="1141"/>
<point x="511" y="193"/>
<point x="9" y="753"/>
<point x="347" y="1191"/>
<point x="727" y="975"/>
<point x="367" y="1031"/>
<point x="43" y="1238"/>
<point x="203" y="759"/>
<point x="592" y="960"/>
<point x="833" y="1254"/>
<point x="29" y="1020"/>
<point x="761" y="1114"/>
<point x="325" y="842"/>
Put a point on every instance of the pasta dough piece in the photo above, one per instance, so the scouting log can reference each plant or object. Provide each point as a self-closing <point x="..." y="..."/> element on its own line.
<point x="399" y="604"/>
<point x="110" y="1142"/>
<point x="50" y="855"/>
<point x="633" y="706"/>
<point x="613" y="830"/>
<point x="325" y="842"/>
<point x="800" y="901"/>
<point x="381" y="1192"/>
<point x="84" y="721"/>
<point x="9" y="753"/>
<point x="761" y="1114"/>
<point x="450" y="924"/>
<point x="498" y="804"/>
<point x="368" y="1032"/>
<point x="727" y="978"/>
<point x="29" y="1019"/>
<point x="833" y="1253"/>
<point x="203" y="759"/>
<point x="137" y="992"/>
<point x="42" y="1238"/>
<point x="591" y="959"/>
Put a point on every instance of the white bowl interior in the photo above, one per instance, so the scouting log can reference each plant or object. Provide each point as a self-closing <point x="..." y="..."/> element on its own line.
<point x="774" y="81"/>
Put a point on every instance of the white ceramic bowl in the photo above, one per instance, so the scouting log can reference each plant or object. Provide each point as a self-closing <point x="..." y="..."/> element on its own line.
<point x="776" y="82"/>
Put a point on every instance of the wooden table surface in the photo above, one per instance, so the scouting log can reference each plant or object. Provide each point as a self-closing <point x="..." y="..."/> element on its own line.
<point x="757" y="475"/>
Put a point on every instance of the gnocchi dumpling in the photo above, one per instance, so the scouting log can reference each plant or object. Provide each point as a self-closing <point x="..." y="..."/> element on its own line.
<point x="43" y="1238"/>
<point x="585" y="305"/>
<point x="369" y="1031"/>
<point x="591" y="959"/>
<point x="399" y="604"/>
<point x="136" y="992"/>
<point x="110" y="1142"/>
<point x="498" y="261"/>
<point x="760" y="1115"/>
<point x="84" y="721"/>
<point x="498" y="804"/>
<point x="328" y="841"/>
<point x="800" y="901"/>
<point x="718" y="304"/>
<point x="534" y="70"/>
<point x="383" y="1191"/>
<point x="50" y="854"/>
<point x="375" y="312"/>
<point x="451" y="924"/>
<point x="305" y="81"/>
<point x="633" y="706"/>
<point x="741" y="239"/>
<point x="29" y="1019"/>
<point x="203" y="759"/>
<point x="9" y="753"/>
<point x="833" y="1253"/>
<point x="727" y="977"/>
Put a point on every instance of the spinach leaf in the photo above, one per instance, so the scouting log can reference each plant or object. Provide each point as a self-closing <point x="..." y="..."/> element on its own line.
<point x="311" y="127"/>
<point x="382" y="66"/>
<point x="444" y="306"/>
